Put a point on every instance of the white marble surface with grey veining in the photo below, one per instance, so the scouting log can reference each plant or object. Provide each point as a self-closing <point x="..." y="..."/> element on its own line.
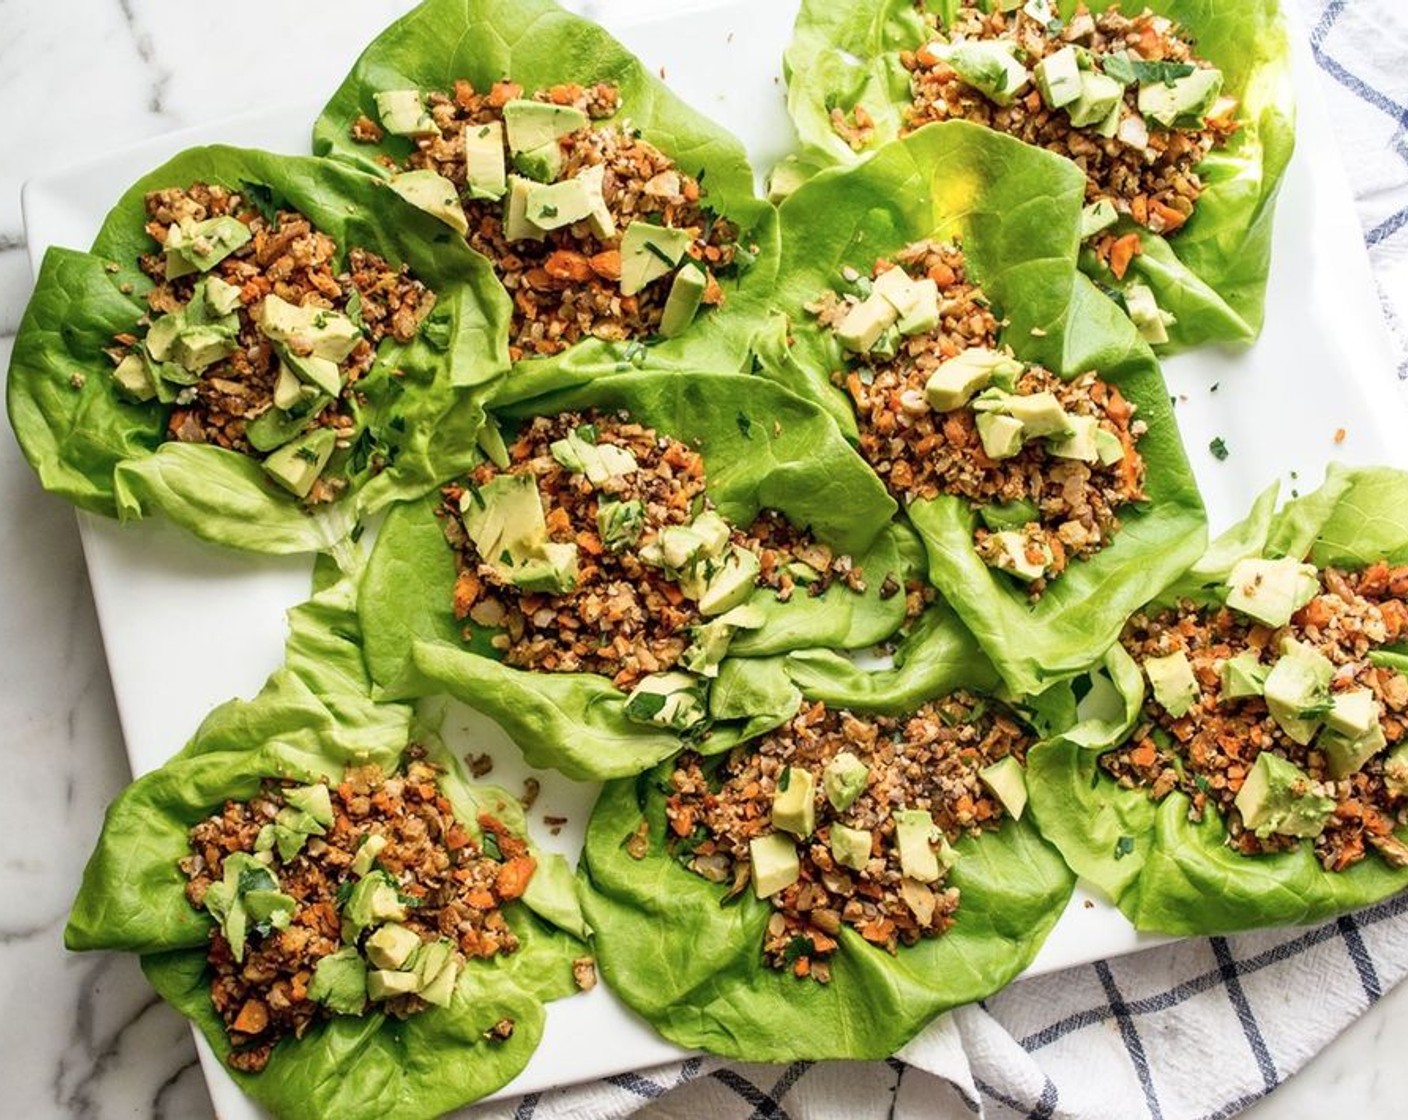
<point x="83" y="1036"/>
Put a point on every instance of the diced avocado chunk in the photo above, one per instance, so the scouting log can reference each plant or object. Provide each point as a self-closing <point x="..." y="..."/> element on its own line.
<point x="484" y="168"/>
<point x="989" y="66"/>
<point x="1184" y="102"/>
<point x="1345" y="755"/>
<point x="775" y="863"/>
<point x="308" y="329"/>
<point x="225" y="900"/>
<point x="517" y="227"/>
<point x="1008" y="784"/>
<point x="289" y="390"/>
<point x="1279" y="798"/>
<point x="673" y="700"/>
<point x="270" y="906"/>
<point x="391" y="945"/>
<point x="275" y="427"/>
<point x="896" y="286"/>
<point x="296" y="465"/>
<point x="598" y="461"/>
<point x="385" y="983"/>
<point x="162" y="336"/>
<point x="200" y="246"/>
<point x="844" y="780"/>
<point x="1175" y="687"/>
<point x="553" y="571"/>
<point x="864" y="323"/>
<point x="1001" y="435"/>
<point x="1012" y="556"/>
<point x="619" y="524"/>
<point x="924" y="313"/>
<point x="133" y="380"/>
<point x="1298" y="690"/>
<point x="730" y="583"/>
<point x="402" y="113"/>
<point x="593" y="180"/>
<point x="1243" y="675"/>
<point x="1058" y="77"/>
<point x="198" y="347"/>
<point x="915" y="836"/>
<point x="531" y="124"/>
<point x="1271" y="591"/>
<point x="1353" y="713"/>
<point x="542" y="165"/>
<point x="440" y="991"/>
<point x="373" y="900"/>
<point x="321" y="373"/>
<point x="1009" y="515"/>
<point x="430" y="959"/>
<point x="1147" y="316"/>
<point x="1080" y="443"/>
<point x="504" y="519"/>
<point x="1041" y="414"/>
<point x="371" y="847"/>
<point x="794" y="803"/>
<point x="312" y="799"/>
<point x="434" y="194"/>
<point x="220" y="296"/>
<point x="686" y="294"/>
<point x="340" y="982"/>
<point x="559" y="204"/>
<point x="953" y="383"/>
<point x="850" y="847"/>
<point x="1099" y="216"/>
<point x="649" y="252"/>
<point x="1108" y="448"/>
<point x="1099" y="96"/>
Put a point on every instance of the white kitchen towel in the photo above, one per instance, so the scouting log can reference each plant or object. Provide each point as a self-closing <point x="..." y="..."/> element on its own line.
<point x="1111" y="1041"/>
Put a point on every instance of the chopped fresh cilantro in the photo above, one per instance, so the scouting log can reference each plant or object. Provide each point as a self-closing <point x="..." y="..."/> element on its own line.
<point x="1123" y="846"/>
<point x="745" y="426"/>
<point x="1218" y="447"/>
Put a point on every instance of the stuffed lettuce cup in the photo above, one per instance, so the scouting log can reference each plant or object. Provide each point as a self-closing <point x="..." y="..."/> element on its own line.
<point x="353" y="926"/>
<point x="824" y="890"/>
<point x="599" y="584"/>
<point x="932" y="302"/>
<point x="262" y="348"/>
<point x="1181" y="119"/>
<point x="1248" y="767"/>
<point x="615" y="216"/>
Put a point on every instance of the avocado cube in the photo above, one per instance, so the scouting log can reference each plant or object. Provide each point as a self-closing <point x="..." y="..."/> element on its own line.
<point x="686" y="294"/>
<point x="775" y="863"/>
<point x="1171" y="677"/>
<point x="196" y="348"/>
<point x="517" y="227"/>
<point x="1279" y="797"/>
<point x="1079" y="444"/>
<point x="434" y="194"/>
<point x="1008" y="784"/>
<point x="1184" y="102"/>
<point x="794" y="803"/>
<point x="391" y="945"/>
<point x="1243" y="675"/>
<point x="531" y="124"/>
<point x="731" y="583"/>
<point x="440" y="991"/>
<point x="1297" y="691"/>
<point x="289" y="392"/>
<point x="850" y="847"/>
<point x="1099" y="97"/>
<point x="274" y="427"/>
<point x="271" y="906"/>
<point x="1355" y="713"/>
<point x="1041" y="414"/>
<point x="1099" y="216"/>
<point x="484" y="168"/>
<point x="865" y="322"/>
<point x="430" y="960"/>
<point x="220" y="296"/>
<point x="319" y="331"/>
<point x="403" y="113"/>
<point x="593" y="180"/>
<point x="844" y="780"/>
<point x="990" y="67"/>
<point x="200" y="246"/>
<point x="1013" y="557"/>
<point x="373" y="900"/>
<point x="542" y="165"/>
<point x="915" y="836"/>
<point x="1151" y="320"/>
<point x="1058" y="78"/>
<point x="296" y="466"/>
<point x="1110" y="126"/>
<point x="649" y="252"/>
<point x="370" y="847"/>
<point x="953" y="382"/>
<point x="320" y="373"/>
<point x="673" y="700"/>
<point x="1345" y="754"/>
<point x="340" y="982"/>
<point x="1271" y="591"/>
<point x="888" y="344"/>
<point x="1001" y="435"/>
<point x="133" y="380"/>
<point x="554" y="572"/>
<point x="161" y="338"/>
<point x="385" y="983"/>
<point x="896" y="286"/>
<point x="925" y="312"/>
<point x="1108" y="448"/>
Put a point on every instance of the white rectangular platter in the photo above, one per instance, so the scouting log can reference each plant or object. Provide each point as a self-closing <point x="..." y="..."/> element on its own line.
<point x="1323" y="367"/>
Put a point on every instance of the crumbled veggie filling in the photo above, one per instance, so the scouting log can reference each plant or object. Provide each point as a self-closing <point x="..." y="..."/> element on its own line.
<point x="334" y="899"/>
<point x="945" y="410"/>
<point x="1125" y="97"/>
<point x="593" y="230"/>
<point x="844" y="819"/>
<point x="254" y="340"/>
<point x="1286" y="724"/>
<point x="595" y="549"/>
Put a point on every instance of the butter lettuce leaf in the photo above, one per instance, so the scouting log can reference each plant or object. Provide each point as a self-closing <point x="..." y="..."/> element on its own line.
<point x="1212" y="274"/>
<point x="763" y="448"/>
<point x="419" y="407"/>
<point x="1168" y="873"/>
<point x="1016" y="211"/>
<point x="691" y="964"/>
<point x="537" y="44"/>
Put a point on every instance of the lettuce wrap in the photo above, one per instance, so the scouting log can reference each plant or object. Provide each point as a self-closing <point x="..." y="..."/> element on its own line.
<point x="1016" y="210"/>
<point x="763" y="448"/>
<point x="1211" y="274"/>
<point x="691" y="963"/>
<point x="1164" y="871"/>
<point x="311" y="721"/>
<point x="417" y="409"/>
<point x="536" y="45"/>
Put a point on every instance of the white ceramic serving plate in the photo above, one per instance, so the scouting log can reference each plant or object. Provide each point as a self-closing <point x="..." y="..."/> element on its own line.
<point x="186" y="626"/>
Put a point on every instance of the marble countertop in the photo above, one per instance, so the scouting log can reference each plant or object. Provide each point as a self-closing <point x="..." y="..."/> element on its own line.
<point x="84" y="1036"/>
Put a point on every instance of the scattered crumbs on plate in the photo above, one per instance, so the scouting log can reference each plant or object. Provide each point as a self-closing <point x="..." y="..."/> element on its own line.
<point x="531" y="789"/>
<point x="1215" y="386"/>
<point x="1340" y="433"/>
<point x="662" y="73"/>
<point x="554" y="823"/>
<point x="1089" y="904"/>
<point x="1218" y="447"/>
<point x="479" y="764"/>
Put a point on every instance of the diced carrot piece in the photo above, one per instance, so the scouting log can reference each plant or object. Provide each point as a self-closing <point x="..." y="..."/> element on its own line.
<point x="253" y="1017"/>
<point x="1124" y="250"/>
<point x="513" y="877"/>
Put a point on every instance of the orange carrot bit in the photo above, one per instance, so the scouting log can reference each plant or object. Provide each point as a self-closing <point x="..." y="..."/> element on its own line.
<point x="1172" y="219"/>
<point x="1122" y="252"/>
<point x="1144" y="754"/>
<point x="513" y="877"/>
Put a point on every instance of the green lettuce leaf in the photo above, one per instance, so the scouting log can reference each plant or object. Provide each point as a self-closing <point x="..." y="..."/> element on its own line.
<point x="691" y="964"/>
<point x="1212" y="274"/>
<point x="537" y="44"/>
<point x="1016" y="210"/>
<point x="421" y="401"/>
<point x="763" y="449"/>
<point x="1164" y="871"/>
